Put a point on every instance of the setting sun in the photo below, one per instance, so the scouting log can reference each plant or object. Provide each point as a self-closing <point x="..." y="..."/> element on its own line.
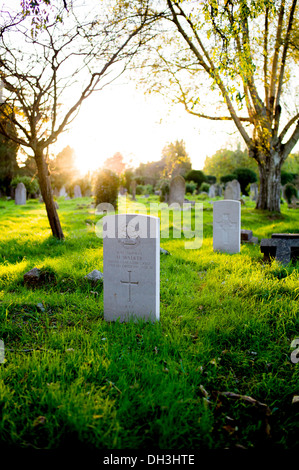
<point x="122" y="119"/>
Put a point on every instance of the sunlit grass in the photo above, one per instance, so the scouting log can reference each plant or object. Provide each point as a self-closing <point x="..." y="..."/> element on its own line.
<point x="227" y="322"/>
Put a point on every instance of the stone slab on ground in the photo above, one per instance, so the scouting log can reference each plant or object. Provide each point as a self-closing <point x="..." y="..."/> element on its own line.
<point x="284" y="247"/>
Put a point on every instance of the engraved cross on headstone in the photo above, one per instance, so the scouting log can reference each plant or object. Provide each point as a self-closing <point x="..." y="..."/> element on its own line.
<point x="130" y="283"/>
<point x="226" y="225"/>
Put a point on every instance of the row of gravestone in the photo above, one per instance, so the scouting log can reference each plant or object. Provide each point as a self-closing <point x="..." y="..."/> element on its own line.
<point x="21" y="193"/>
<point x="63" y="193"/>
<point x="131" y="258"/>
<point x="232" y="191"/>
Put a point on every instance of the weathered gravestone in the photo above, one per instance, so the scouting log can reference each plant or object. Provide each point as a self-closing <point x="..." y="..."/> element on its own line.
<point x="77" y="191"/>
<point x="62" y="192"/>
<point x="282" y="246"/>
<point x="212" y="191"/>
<point x="227" y="226"/>
<point x="20" y="194"/>
<point x="55" y="192"/>
<point x="254" y="191"/>
<point x="215" y="190"/>
<point x="232" y="190"/>
<point x="177" y="190"/>
<point x="294" y="203"/>
<point x="218" y="189"/>
<point x="131" y="244"/>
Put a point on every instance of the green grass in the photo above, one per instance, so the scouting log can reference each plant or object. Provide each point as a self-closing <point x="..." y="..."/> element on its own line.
<point x="227" y="323"/>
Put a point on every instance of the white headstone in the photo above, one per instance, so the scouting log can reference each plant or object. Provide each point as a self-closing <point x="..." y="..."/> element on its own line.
<point x="20" y="194"/>
<point x="177" y="190"/>
<point x="131" y="245"/>
<point x="232" y="190"/>
<point x="227" y="226"/>
<point x="77" y="191"/>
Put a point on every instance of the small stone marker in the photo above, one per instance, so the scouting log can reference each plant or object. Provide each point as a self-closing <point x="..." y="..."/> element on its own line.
<point x="37" y="278"/>
<point x="212" y="191"/>
<point x="131" y="245"/>
<point x="77" y="191"/>
<point x="247" y="237"/>
<point x="232" y="190"/>
<point x="215" y="190"/>
<point x="177" y="190"/>
<point x="227" y="226"/>
<point x="282" y="246"/>
<point x="94" y="277"/>
<point x="20" y="194"/>
<point x="62" y="192"/>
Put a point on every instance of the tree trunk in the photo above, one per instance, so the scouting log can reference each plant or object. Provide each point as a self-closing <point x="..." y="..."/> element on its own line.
<point x="46" y="190"/>
<point x="269" y="191"/>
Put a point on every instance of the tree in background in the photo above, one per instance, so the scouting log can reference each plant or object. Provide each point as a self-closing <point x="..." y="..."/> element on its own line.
<point x="8" y="164"/>
<point x="226" y="178"/>
<point x="292" y="164"/>
<point x="224" y="162"/>
<point x="8" y="155"/>
<point x="74" y="53"/>
<point x="115" y="163"/>
<point x="31" y="184"/>
<point x="245" y="55"/>
<point x="62" y="168"/>
<point x="150" y="173"/>
<point x="176" y="160"/>
<point x="197" y="176"/>
<point x="245" y="176"/>
<point x="106" y="187"/>
<point x="128" y="177"/>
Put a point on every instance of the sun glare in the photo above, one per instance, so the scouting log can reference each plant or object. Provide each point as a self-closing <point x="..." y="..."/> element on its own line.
<point x="123" y="120"/>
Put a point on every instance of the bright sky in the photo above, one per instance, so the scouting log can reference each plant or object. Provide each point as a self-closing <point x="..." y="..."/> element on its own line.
<point x="121" y="119"/>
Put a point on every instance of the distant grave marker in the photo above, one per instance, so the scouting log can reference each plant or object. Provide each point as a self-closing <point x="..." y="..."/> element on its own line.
<point x="232" y="190"/>
<point x="62" y="192"/>
<point x="20" y="194"/>
<point x="131" y="267"/>
<point x="215" y="190"/>
<point x="177" y="190"/>
<point x="77" y="191"/>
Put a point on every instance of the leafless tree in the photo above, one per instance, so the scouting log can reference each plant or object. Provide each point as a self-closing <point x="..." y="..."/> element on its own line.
<point x="48" y="69"/>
